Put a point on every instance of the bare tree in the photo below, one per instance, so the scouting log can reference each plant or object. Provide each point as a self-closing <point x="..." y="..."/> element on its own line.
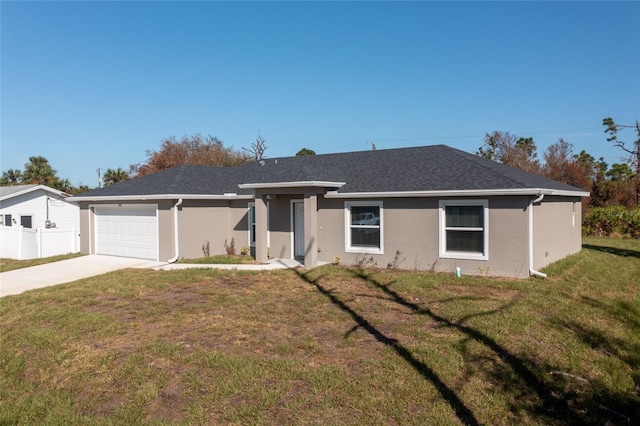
<point x="257" y="148"/>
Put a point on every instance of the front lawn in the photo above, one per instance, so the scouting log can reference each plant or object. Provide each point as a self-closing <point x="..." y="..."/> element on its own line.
<point x="333" y="345"/>
<point x="11" y="264"/>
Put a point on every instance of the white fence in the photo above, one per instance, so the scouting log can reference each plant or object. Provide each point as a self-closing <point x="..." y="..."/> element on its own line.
<point x="21" y="243"/>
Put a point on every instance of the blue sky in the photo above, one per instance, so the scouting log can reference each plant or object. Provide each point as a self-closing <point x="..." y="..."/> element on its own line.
<point x="96" y="84"/>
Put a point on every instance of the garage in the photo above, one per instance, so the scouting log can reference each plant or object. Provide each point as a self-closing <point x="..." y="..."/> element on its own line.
<point x="128" y="231"/>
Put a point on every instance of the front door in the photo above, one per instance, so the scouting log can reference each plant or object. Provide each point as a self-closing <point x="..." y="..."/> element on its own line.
<point x="298" y="229"/>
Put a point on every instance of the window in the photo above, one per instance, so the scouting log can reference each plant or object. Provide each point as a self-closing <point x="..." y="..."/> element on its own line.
<point x="7" y="220"/>
<point x="363" y="226"/>
<point x="25" y="221"/>
<point x="252" y="225"/>
<point x="464" y="229"/>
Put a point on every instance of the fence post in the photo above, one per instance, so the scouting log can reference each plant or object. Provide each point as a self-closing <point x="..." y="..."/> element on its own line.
<point x="20" y="242"/>
<point x="39" y="242"/>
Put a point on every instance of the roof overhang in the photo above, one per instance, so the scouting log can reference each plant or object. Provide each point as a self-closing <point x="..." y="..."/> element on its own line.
<point x="35" y="188"/>
<point x="230" y="196"/>
<point x="457" y="193"/>
<point x="299" y="184"/>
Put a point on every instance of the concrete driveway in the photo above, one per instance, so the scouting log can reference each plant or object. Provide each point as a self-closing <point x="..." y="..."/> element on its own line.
<point x="20" y="280"/>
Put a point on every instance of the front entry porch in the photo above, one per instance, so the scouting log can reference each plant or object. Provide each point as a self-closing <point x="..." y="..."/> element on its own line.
<point x="301" y="205"/>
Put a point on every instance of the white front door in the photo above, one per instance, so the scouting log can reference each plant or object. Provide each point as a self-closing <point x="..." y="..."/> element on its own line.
<point x="298" y="229"/>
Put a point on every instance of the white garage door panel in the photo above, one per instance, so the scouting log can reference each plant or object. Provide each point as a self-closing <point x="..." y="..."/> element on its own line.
<point x="127" y="232"/>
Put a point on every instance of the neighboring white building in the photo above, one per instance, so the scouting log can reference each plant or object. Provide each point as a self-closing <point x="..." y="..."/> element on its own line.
<point x="37" y="221"/>
<point x="37" y="206"/>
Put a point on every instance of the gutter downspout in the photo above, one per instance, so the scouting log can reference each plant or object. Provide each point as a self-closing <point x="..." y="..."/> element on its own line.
<point x="530" y="208"/>
<point x="175" y="232"/>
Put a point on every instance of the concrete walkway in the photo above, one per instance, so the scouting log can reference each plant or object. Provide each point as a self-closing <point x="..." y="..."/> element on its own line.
<point x="64" y="271"/>
<point x="273" y="264"/>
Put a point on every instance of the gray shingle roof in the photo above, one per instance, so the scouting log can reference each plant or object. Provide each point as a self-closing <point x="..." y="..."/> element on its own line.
<point x="428" y="168"/>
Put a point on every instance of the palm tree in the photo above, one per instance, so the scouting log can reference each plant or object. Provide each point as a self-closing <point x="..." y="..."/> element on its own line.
<point x="63" y="185"/>
<point x="112" y="176"/>
<point x="39" y="171"/>
<point x="11" y="177"/>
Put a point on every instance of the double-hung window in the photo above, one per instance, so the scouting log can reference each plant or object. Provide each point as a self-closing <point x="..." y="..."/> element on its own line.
<point x="363" y="226"/>
<point x="464" y="230"/>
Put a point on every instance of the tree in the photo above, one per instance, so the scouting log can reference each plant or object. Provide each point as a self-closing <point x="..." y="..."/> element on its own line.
<point x="79" y="189"/>
<point x="63" y="185"/>
<point x="112" y="176"/>
<point x="560" y="164"/>
<point x="620" y="188"/>
<point x="619" y="172"/>
<point x="257" y="148"/>
<point x="305" y="151"/>
<point x="39" y="171"/>
<point x="594" y="173"/>
<point x="511" y="150"/>
<point x="196" y="150"/>
<point x="11" y="177"/>
<point x="633" y="149"/>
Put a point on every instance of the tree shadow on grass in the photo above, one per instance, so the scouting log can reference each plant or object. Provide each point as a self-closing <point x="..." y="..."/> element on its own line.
<point x="560" y="400"/>
<point x="553" y="406"/>
<point x="549" y="395"/>
<point x="613" y="250"/>
<point x="464" y="414"/>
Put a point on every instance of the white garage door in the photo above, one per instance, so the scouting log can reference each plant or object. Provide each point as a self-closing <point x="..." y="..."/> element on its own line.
<point x="127" y="231"/>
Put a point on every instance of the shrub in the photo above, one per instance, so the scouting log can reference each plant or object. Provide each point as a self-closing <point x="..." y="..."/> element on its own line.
<point x="605" y="221"/>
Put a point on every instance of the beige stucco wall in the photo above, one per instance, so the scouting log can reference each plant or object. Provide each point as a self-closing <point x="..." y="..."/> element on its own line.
<point x="165" y="226"/>
<point x="85" y="237"/>
<point x="557" y="230"/>
<point x="202" y="222"/>
<point x="411" y="226"/>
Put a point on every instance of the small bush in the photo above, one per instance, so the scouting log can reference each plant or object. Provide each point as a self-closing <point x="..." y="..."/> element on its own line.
<point x="612" y="220"/>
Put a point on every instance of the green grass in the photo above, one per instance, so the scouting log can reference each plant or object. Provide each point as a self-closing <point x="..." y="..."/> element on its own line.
<point x="332" y="345"/>
<point x="11" y="264"/>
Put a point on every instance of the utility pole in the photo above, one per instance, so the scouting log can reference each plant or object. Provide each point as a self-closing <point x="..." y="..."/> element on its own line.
<point x="99" y="178"/>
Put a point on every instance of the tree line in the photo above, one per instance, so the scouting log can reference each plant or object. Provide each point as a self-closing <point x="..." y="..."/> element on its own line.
<point x="618" y="184"/>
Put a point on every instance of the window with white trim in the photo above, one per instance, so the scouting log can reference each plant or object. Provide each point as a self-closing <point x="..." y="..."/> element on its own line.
<point x="252" y="225"/>
<point x="363" y="227"/>
<point x="464" y="229"/>
<point x="7" y="220"/>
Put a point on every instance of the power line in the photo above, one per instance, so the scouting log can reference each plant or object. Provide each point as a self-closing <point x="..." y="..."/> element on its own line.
<point x="439" y="138"/>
